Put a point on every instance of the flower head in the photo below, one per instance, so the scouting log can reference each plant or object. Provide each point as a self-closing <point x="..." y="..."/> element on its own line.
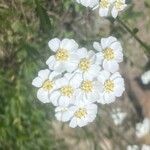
<point x="65" y="58"/>
<point x="83" y="113"/>
<point x="46" y="84"/>
<point x="87" y="64"/>
<point x="66" y="90"/>
<point x="110" y="53"/>
<point x="112" y="86"/>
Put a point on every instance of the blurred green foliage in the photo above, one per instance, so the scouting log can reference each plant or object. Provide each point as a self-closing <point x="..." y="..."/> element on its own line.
<point x="25" y="28"/>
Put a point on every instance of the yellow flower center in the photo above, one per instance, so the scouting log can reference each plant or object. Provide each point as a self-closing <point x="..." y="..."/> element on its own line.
<point x="81" y="112"/>
<point x="84" y="64"/>
<point x="118" y="4"/>
<point x="104" y="4"/>
<point x="109" y="86"/>
<point x="87" y="86"/>
<point x="62" y="55"/>
<point x="108" y="54"/>
<point x="48" y="85"/>
<point x="67" y="91"/>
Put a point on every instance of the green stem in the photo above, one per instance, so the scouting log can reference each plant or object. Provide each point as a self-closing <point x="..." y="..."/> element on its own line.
<point x="144" y="45"/>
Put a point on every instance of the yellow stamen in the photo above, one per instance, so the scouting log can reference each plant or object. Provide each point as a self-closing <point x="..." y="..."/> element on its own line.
<point x="109" y="86"/>
<point x="81" y="112"/>
<point x="84" y="64"/>
<point x="108" y="54"/>
<point x="104" y="4"/>
<point x="48" y="85"/>
<point x="119" y="4"/>
<point x="67" y="91"/>
<point x="87" y="86"/>
<point x="62" y="55"/>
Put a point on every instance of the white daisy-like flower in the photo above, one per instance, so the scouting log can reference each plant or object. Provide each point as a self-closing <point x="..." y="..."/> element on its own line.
<point x="132" y="147"/>
<point x="63" y="113"/>
<point x="88" y="3"/>
<point x="66" y="89"/>
<point x="143" y="128"/>
<point x="87" y="64"/>
<point x="112" y="86"/>
<point x="118" y="5"/>
<point x="110" y="53"/>
<point x="89" y="91"/>
<point x="104" y="7"/>
<point x="145" y="147"/>
<point x="46" y="84"/>
<point x="83" y="113"/>
<point x="118" y="116"/>
<point x="65" y="58"/>
<point x="145" y="78"/>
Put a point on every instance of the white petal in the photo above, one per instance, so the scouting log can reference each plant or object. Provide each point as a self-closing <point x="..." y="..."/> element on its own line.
<point x="99" y="58"/>
<point x="37" y="82"/>
<point x="54" y="44"/>
<point x="93" y="97"/>
<point x="103" y="76"/>
<point x="59" y="67"/>
<point x="55" y="75"/>
<point x="119" y="91"/>
<point x="82" y="122"/>
<point x="92" y="73"/>
<point x="82" y="52"/>
<point x="50" y="62"/>
<point x="114" y="12"/>
<point x="64" y="101"/>
<point x="106" y="42"/>
<point x="43" y="95"/>
<point x="103" y="12"/>
<point x="43" y="74"/>
<point x="109" y="98"/>
<point x="97" y="46"/>
<point x="71" y="66"/>
<point x="118" y="56"/>
<point x="73" y="122"/>
<point x="54" y="97"/>
<point x="61" y="82"/>
<point x="69" y="44"/>
<point x="76" y="80"/>
<point x="111" y="66"/>
<point x="115" y="75"/>
<point x="116" y="46"/>
<point x="119" y="81"/>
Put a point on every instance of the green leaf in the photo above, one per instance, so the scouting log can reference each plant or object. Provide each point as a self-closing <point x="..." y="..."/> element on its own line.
<point x="45" y="22"/>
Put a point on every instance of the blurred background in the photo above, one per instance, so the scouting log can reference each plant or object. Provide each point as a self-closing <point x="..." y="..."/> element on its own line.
<point x="26" y="26"/>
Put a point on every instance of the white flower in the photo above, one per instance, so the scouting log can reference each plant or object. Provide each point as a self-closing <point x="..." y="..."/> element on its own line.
<point x="118" y="116"/>
<point x="87" y="64"/>
<point x="132" y="147"/>
<point x="143" y="128"/>
<point x="104" y="7"/>
<point x="112" y="86"/>
<point x="118" y="6"/>
<point x="88" y="3"/>
<point x="110" y="7"/>
<point x="63" y="113"/>
<point x="66" y="89"/>
<point x="89" y="90"/>
<point x="110" y="53"/>
<point x="146" y="77"/>
<point x="46" y="84"/>
<point x="145" y="147"/>
<point x="65" y="58"/>
<point x="83" y="113"/>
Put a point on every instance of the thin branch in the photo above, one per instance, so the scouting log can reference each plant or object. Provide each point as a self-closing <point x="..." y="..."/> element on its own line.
<point x="144" y="45"/>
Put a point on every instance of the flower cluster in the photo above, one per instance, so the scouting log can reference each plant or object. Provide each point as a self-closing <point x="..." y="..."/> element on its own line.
<point x="106" y="7"/>
<point x="77" y="79"/>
